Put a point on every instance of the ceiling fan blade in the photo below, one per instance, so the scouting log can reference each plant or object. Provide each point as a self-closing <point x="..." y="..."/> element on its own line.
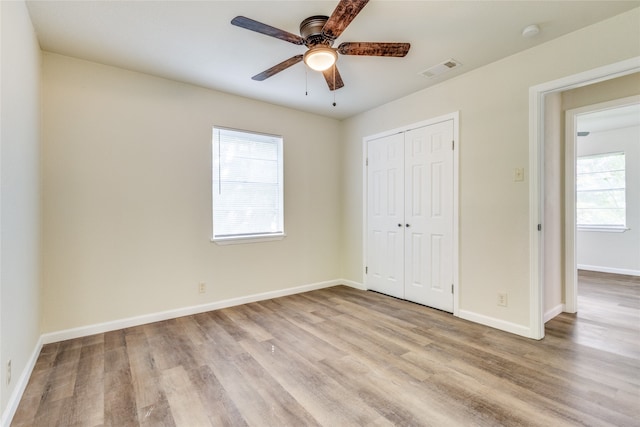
<point x="259" y="27"/>
<point x="341" y="17"/>
<point x="374" y="49"/>
<point x="333" y="80"/>
<point x="277" y="68"/>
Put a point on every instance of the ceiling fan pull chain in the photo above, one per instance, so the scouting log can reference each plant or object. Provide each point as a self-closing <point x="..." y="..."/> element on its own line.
<point x="306" y="81"/>
<point x="334" y="85"/>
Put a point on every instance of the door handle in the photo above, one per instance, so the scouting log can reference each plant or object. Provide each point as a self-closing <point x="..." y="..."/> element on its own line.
<point x="399" y="225"/>
<point x="408" y="225"/>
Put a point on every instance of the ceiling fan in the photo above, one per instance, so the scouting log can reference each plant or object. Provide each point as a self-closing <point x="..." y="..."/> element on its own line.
<point x="318" y="33"/>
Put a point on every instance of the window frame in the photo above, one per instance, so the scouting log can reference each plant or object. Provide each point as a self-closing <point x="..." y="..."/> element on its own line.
<point x="215" y="183"/>
<point x="612" y="228"/>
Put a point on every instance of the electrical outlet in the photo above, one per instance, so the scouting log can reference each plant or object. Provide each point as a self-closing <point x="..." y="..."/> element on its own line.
<point x="9" y="372"/>
<point x="202" y="287"/>
<point x="502" y="300"/>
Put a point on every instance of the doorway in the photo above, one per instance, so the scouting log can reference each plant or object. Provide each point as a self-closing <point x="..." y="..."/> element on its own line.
<point x="537" y="96"/>
<point x="602" y="187"/>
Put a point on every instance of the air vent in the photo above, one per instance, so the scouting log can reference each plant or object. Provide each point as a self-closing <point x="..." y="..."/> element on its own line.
<point x="441" y="68"/>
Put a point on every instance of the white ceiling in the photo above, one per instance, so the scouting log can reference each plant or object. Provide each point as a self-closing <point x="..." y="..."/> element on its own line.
<point x="194" y="42"/>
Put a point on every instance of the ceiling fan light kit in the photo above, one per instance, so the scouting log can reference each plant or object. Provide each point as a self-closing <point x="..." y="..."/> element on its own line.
<point x="318" y="33"/>
<point x="320" y="58"/>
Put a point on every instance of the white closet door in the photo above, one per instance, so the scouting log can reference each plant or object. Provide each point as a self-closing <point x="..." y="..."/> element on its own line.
<point x="385" y="215"/>
<point x="429" y="215"/>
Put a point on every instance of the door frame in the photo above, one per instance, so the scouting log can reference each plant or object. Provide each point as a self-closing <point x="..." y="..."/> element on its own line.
<point x="536" y="166"/>
<point x="455" y="117"/>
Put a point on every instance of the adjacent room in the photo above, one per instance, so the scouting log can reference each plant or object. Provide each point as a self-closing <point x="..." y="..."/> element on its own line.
<point x="341" y="212"/>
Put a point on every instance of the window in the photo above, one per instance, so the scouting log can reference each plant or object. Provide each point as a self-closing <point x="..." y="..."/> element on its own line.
<point x="247" y="185"/>
<point x="600" y="191"/>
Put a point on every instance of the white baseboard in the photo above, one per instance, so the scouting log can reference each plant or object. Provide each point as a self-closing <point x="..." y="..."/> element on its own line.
<point x="625" y="271"/>
<point x="353" y="284"/>
<point x="503" y="325"/>
<point x="21" y="385"/>
<point x="550" y="314"/>
<point x="114" y="325"/>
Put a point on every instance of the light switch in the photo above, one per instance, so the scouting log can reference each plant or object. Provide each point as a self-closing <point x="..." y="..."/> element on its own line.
<point x="518" y="174"/>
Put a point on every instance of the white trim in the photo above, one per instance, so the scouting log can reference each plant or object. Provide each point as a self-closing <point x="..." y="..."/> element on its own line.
<point x="456" y="214"/>
<point x="14" y="400"/>
<point x="553" y="312"/>
<point x="536" y="165"/>
<point x="536" y="243"/>
<point x="623" y="271"/>
<point x="114" y="325"/>
<point x="602" y="229"/>
<point x="352" y="284"/>
<point x="455" y="116"/>
<point x="440" y="119"/>
<point x="365" y="192"/>
<point x="238" y="240"/>
<point x="500" y="324"/>
<point x="570" y="272"/>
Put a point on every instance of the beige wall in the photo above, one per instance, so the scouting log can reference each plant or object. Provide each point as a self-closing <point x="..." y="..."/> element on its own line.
<point x="127" y="196"/>
<point x="494" y="139"/>
<point x="19" y="195"/>
<point x="621" y="87"/>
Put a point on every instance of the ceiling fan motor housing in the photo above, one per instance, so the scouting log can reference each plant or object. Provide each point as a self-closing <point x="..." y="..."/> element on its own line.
<point x="311" y="31"/>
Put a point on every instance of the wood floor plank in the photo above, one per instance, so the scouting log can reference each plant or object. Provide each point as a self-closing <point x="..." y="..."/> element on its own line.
<point x="322" y="396"/>
<point x="353" y="342"/>
<point x="49" y="413"/>
<point x="242" y="317"/>
<point x="87" y="405"/>
<point x="374" y="386"/>
<point x="152" y="403"/>
<point x="285" y="409"/>
<point x="221" y="409"/>
<point x="119" y="395"/>
<point x="250" y="404"/>
<point x="280" y="322"/>
<point x="186" y="407"/>
<point x="344" y="357"/>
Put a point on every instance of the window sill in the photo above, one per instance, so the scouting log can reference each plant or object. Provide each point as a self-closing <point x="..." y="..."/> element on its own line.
<point x="602" y="229"/>
<point x="247" y="239"/>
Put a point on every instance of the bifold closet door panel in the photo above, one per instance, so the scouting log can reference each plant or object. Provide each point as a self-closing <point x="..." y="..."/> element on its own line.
<point x="385" y="215"/>
<point x="429" y="215"/>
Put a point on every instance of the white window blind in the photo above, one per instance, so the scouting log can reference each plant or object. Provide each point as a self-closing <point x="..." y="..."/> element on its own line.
<point x="600" y="190"/>
<point x="247" y="184"/>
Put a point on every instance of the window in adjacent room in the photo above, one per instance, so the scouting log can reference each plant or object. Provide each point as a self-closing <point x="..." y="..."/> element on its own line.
<point x="600" y="191"/>
<point x="248" y="199"/>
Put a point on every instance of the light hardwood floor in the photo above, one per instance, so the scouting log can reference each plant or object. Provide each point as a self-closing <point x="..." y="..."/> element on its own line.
<point x="342" y="357"/>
